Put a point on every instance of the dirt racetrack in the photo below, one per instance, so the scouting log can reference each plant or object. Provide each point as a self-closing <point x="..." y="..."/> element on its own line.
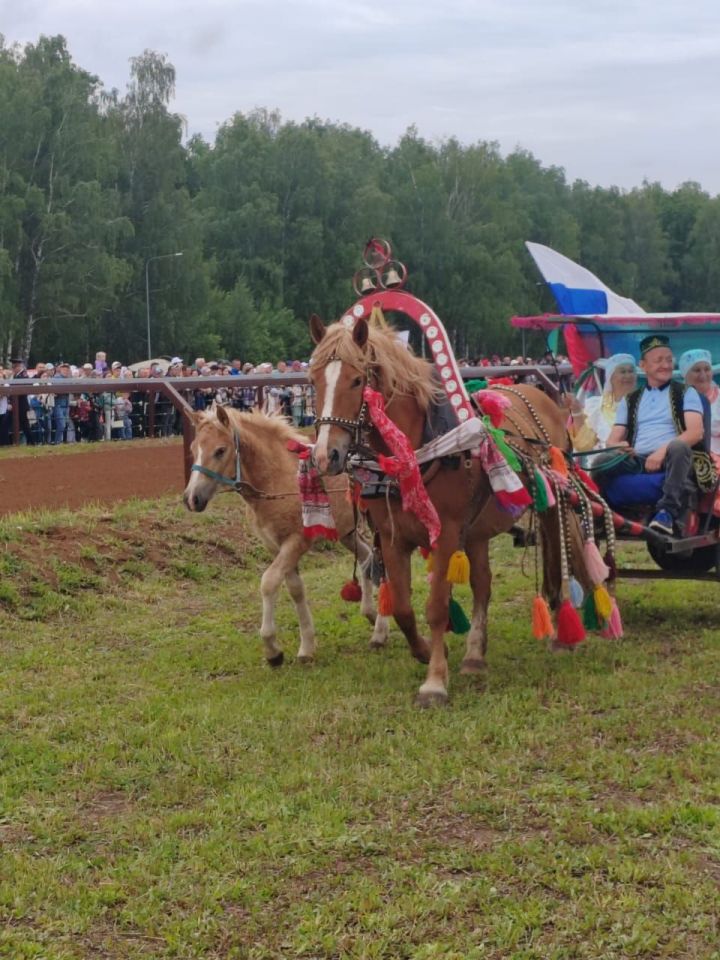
<point x="104" y="473"/>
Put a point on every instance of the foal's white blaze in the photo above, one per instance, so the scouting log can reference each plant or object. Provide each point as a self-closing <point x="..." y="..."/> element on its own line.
<point x="195" y="475"/>
<point x="332" y="375"/>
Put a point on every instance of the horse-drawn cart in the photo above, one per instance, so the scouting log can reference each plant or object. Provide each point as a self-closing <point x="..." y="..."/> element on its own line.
<point x="591" y="338"/>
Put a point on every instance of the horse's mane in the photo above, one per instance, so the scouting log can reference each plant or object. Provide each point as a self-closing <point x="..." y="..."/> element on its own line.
<point x="397" y="368"/>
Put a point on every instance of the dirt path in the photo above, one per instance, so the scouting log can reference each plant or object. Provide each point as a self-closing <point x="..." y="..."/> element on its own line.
<point x="108" y="474"/>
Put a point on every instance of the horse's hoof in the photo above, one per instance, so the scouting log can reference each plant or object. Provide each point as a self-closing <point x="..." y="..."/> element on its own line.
<point x="377" y="644"/>
<point x="306" y="660"/>
<point x="473" y="666"/>
<point x="555" y="647"/>
<point x="431" y="698"/>
<point x="278" y="660"/>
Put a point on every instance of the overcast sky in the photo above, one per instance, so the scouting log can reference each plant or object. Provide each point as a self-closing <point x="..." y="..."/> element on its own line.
<point x="614" y="91"/>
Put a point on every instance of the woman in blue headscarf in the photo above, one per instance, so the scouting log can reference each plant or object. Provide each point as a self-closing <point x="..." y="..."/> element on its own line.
<point x="591" y="423"/>
<point x="697" y="371"/>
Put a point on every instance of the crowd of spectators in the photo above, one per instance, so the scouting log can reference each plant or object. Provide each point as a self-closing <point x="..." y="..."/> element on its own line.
<point x="123" y="413"/>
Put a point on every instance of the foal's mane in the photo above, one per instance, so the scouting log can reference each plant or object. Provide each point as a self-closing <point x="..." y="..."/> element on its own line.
<point x="398" y="370"/>
<point x="257" y="428"/>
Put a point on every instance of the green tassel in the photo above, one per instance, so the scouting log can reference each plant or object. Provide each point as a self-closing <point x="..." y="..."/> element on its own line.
<point x="540" y="499"/>
<point x="590" y="617"/>
<point x="459" y="623"/>
<point x="498" y="436"/>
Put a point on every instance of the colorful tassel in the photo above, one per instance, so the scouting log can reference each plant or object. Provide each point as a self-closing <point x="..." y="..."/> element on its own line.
<point x="577" y="594"/>
<point x="493" y="405"/>
<point x="542" y="625"/>
<point x="596" y="567"/>
<point x="548" y="490"/>
<point x="459" y="622"/>
<point x="558" y="462"/>
<point x="590" y="618"/>
<point x="540" y="499"/>
<point x="570" y="630"/>
<point x="458" y="568"/>
<point x="351" y="591"/>
<point x="500" y="442"/>
<point x="614" y="629"/>
<point x="587" y="480"/>
<point x="610" y="564"/>
<point x="385" y="599"/>
<point x="603" y="604"/>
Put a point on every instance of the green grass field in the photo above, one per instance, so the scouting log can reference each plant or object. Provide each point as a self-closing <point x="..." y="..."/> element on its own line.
<point x="166" y="794"/>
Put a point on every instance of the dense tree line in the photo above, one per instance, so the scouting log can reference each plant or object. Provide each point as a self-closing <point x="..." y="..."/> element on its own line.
<point x="96" y="188"/>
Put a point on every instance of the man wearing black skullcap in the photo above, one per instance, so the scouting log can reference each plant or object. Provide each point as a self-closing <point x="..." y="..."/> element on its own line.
<point x="661" y="424"/>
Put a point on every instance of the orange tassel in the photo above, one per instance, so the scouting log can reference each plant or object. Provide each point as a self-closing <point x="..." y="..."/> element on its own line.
<point x="542" y="625"/>
<point x="558" y="462"/>
<point x="385" y="599"/>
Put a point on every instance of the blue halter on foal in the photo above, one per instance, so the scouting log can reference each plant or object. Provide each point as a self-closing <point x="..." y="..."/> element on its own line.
<point x="237" y="482"/>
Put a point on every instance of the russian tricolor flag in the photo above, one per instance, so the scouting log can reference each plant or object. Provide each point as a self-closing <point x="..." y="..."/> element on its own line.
<point x="578" y="292"/>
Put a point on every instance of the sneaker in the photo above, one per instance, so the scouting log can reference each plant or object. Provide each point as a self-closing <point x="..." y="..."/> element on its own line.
<point x="662" y="522"/>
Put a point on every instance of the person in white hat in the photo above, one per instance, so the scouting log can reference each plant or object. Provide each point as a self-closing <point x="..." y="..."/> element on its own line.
<point x="591" y="422"/>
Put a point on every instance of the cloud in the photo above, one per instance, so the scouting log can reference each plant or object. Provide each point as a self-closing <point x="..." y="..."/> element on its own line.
<point x="612" y="91"/>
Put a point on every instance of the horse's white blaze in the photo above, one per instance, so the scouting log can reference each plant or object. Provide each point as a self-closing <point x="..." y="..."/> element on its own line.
<point x="332" y="375"/>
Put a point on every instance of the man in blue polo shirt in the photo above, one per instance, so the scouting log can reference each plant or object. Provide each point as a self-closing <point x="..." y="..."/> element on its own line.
<point x="660" y="424"/>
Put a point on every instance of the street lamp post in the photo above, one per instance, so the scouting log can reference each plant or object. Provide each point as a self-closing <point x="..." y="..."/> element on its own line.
<point x="163" y="256"/>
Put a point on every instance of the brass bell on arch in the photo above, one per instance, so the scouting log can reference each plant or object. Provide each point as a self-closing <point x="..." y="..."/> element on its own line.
<point x="366" y="281"/>
<point x="395" y="275"/>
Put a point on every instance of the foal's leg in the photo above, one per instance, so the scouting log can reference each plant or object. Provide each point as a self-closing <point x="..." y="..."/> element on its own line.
<point x="284" y="563"/>
<point x="480" y="582"/>
<point x="396" y="558"/>
<point x="306" y="653"/>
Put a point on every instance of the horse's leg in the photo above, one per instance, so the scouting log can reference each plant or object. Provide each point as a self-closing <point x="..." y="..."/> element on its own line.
<point x="306" y="652"/>
<point x="396" y="559"/>
<point x="381" y="625"/>
<point x="480" y="581"/>
<point x="285" y="561"/>
<point x="434" y="692"/>
<point x="550" y="546"/>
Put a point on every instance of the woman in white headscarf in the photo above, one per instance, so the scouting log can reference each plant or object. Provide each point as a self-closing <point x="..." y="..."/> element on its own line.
<point x="591" y="423"/>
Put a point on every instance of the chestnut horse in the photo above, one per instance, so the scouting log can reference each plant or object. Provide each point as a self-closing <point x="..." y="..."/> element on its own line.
<point x="343" y="363"/>
<point x="248" y="452"/>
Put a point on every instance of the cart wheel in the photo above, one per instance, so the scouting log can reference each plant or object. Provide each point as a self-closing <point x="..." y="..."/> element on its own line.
<point x="698" y="561"/>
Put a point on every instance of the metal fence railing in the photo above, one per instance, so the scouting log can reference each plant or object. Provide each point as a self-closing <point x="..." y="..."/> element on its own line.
<point x="156" y="399"/>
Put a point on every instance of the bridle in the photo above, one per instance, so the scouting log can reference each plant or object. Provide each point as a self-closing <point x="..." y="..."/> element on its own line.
<point x="354" y="427"/>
